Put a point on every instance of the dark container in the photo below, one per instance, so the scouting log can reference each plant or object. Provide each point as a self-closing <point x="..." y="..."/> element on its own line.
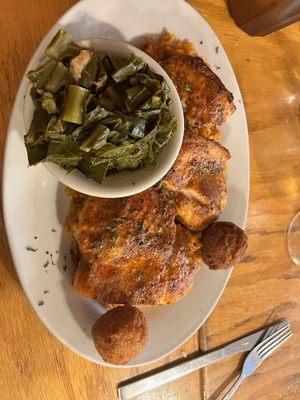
<point x="260" y="17"/>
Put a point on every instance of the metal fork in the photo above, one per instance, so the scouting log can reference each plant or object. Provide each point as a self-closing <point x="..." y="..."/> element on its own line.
<point x="260" y="353"/>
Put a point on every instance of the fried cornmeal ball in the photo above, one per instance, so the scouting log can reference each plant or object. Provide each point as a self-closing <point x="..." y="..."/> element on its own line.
<point x="120" y="334"/>
<point x="223" y="245"/>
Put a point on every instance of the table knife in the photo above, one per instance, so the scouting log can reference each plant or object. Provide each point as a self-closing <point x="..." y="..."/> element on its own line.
<point x="152" y="379"/>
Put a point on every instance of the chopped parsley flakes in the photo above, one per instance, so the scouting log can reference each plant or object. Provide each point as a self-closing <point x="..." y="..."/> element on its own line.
<point x="30" y="248"/>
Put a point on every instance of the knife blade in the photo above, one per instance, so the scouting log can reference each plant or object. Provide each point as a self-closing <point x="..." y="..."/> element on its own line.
<point x="152" y="379"/>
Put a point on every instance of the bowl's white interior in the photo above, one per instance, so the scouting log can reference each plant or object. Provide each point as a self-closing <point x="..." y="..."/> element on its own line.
<point x="123" y="183"/>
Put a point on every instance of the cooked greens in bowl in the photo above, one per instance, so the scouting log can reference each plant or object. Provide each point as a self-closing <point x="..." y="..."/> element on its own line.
<point x="96" y="112"/>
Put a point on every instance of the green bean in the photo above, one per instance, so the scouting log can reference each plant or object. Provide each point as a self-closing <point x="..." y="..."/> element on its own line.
<point x="75" y="104"/>
<point x="58" y="44"/>
<point x="40" y="75"/>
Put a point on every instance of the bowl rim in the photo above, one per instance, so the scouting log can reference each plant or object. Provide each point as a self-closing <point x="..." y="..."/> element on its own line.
<point x="88" y="186"/>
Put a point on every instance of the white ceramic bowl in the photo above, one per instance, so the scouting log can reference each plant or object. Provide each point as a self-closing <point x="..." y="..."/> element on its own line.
<point x="123" y="183"/>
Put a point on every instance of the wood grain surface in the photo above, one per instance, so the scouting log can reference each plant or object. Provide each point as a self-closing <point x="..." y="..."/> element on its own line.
<point x="265" y="287"/>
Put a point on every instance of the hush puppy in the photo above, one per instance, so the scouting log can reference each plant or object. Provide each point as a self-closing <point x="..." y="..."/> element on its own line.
<point x="223" y="245"/>
<point x="120" y="334"/>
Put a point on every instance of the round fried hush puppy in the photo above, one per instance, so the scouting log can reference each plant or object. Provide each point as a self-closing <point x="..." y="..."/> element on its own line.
<point x="223" y="245"/>
<point x="120" y="334"/>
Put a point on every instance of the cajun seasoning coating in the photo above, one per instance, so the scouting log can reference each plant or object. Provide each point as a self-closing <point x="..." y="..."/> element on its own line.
<point x="205" y="100"/>
<point x="184" y="265"/>
<point x="197" y="181"/>
<point x="131" y="251"/>
<point x="120" y="334"/>
<point x="125" y="245"/>
<point x="224" y="244"/>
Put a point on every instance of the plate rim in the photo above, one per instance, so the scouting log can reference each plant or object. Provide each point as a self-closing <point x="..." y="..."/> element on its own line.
<point x="9" y="233"/>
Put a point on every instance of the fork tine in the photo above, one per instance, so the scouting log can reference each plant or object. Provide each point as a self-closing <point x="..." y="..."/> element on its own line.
<point x="270" y="342"/>
<point x="273" y="329"/>
<point x="272" y="339"/>
<point x="269" y="337"/>
<point x="275" y="346"/>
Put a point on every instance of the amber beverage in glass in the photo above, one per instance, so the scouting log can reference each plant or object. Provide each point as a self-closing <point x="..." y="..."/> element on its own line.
<point x="260" y="17"/>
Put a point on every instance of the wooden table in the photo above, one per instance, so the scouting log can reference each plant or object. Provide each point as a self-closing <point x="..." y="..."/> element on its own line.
<point x="265" y="287"/>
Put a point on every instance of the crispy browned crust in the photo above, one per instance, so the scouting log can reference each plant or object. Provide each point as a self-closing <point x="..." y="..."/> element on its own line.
<point x="224" y="244"/>
<point x="120" y="334"/>
<point x="183" y="266"/>
<point x="197" y="181"/>
<point x="129" y="247"/>
<point x="130" y="250"/>
<point x="206" y="101"/>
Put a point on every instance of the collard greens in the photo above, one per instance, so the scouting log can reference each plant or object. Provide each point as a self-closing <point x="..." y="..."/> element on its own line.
<point x="115" y="116"/>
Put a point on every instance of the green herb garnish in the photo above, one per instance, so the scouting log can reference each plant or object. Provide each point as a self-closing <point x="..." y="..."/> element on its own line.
<point x="187" y="88"/>
<point x="30" y="248"/>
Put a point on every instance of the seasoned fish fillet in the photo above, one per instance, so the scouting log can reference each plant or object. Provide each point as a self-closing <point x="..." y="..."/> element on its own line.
<point x="130" y="249"/>
<point x="197" y="181"/>
<point x="205" y="100"/>
<point x="183" y="266"/>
